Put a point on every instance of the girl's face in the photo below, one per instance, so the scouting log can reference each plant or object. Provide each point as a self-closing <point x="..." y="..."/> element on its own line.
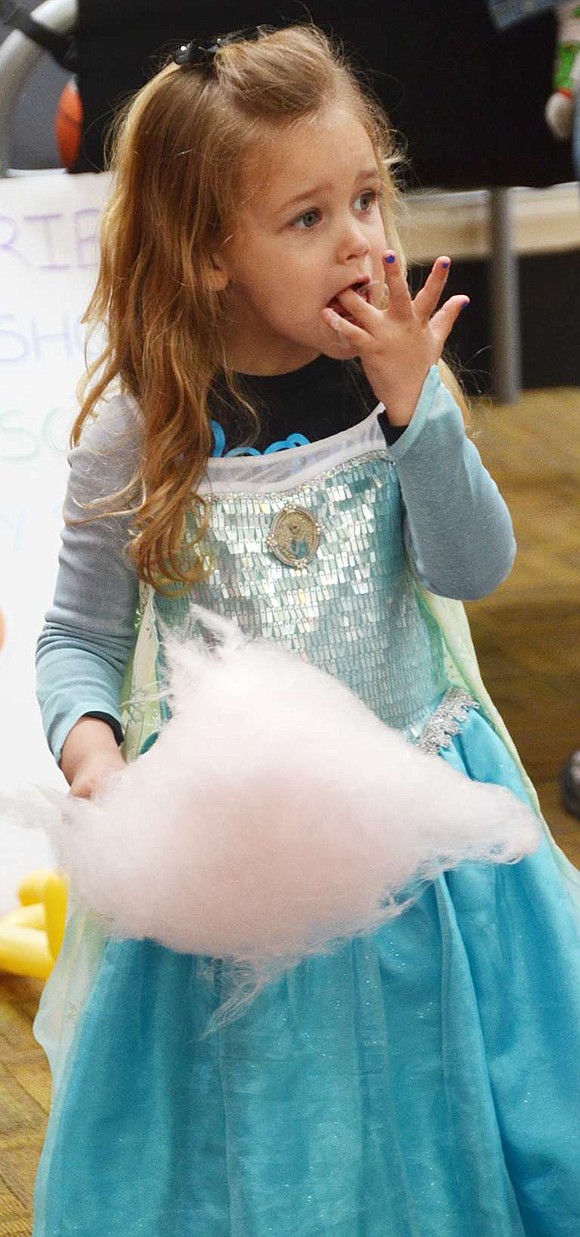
<point x="309" y="226"/>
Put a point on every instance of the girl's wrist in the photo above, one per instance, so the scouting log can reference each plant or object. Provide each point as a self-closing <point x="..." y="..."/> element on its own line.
<point x="401" y="405"/>
<point x="89" y="756"/>
<point x="400" y="415"/>
<point x="400" y="391"/>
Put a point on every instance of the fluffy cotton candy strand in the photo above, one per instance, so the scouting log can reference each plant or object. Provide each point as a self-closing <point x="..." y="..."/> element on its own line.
<point x="275" y="815"/>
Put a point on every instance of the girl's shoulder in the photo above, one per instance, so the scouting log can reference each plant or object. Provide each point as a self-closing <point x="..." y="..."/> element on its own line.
<point x="108" y="453"/>
<point x="115" y="424"/>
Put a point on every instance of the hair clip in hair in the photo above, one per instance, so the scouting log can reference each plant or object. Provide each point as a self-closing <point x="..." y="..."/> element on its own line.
<point x="203" y="54"/>
<point x="194" y="54"/>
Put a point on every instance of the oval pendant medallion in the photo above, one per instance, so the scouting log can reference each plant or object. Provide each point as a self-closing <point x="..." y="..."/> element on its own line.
<point x="294" y="536"/>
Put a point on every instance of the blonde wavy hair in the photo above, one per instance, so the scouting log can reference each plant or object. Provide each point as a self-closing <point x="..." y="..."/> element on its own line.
<point x="179" y="152"/>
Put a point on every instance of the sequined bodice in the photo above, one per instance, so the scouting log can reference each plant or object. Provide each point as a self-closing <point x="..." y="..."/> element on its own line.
<point x="334" y="583"/>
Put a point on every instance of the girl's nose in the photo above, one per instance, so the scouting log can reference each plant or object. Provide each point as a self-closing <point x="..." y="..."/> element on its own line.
<point x="353" y="240"/>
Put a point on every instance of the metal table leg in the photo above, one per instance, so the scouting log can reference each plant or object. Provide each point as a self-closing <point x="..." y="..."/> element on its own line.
<point x="504" y="301"/>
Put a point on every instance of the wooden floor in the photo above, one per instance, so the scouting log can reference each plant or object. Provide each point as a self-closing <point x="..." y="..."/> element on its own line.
<point x="527" y="634"/>
<point x="24" y="1101"/>
<point x="528" y="639"/>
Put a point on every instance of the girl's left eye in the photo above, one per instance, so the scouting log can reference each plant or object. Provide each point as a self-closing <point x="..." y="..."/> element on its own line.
<point x="366" y="200"/>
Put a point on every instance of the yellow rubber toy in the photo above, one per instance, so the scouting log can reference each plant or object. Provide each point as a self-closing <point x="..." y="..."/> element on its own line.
<point x="31" y="936"/>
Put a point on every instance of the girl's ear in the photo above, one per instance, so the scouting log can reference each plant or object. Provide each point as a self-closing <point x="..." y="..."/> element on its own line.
<point x="217" y="273"/>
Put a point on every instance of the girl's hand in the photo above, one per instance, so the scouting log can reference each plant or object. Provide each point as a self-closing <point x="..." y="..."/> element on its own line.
<point x="90" y="757"/>
<point x="94" y="774"/>
<point x="398" y="345"/>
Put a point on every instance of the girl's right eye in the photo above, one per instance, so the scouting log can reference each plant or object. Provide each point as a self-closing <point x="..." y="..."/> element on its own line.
<point x="308" y="219"/>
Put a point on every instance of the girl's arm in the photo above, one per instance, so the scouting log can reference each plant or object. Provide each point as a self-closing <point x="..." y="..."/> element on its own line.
<point x="89" y="631"/>
<point x="458" y="528"/>
<point x="459" y="532"/>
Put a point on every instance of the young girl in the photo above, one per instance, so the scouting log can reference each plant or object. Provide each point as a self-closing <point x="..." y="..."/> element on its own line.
<point x="270" y="360"/>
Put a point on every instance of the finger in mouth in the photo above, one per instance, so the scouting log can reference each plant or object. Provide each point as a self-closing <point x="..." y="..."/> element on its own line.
<point x="362" y="289"/>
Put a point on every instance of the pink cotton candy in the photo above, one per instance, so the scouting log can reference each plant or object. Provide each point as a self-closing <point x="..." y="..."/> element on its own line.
<point x="275" y="814"/>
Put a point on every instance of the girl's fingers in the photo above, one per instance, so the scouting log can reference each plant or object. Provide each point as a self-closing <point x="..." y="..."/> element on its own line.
<point x="444" y="320"/>
<point x="400" y="302"/>
<point x="401" y="305"/>
<point x="367" y="319"/>
<point x="350" y="332"/>
<point x="428" y="297"/>
<point x="367" y="315"/>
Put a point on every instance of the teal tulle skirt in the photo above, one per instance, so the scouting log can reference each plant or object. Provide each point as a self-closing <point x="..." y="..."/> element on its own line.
<point x="422" y="1082"/>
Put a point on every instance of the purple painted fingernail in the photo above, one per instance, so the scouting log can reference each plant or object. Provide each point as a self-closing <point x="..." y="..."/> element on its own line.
<point x="446" y="264"/>
<point x="390" y="258"/>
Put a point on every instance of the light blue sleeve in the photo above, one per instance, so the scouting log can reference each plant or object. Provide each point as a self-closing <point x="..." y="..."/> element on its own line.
<point x="458" y="528"/>
<point x="89" y="631"/>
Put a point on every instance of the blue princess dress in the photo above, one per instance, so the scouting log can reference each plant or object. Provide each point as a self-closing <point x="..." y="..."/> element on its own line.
<point x="420" y="1082"/>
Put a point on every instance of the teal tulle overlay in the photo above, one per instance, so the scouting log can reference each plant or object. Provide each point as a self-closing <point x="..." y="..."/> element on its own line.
<point x="422" y="1082"/>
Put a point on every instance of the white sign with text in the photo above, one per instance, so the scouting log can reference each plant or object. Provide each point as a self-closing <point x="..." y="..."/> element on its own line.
<point x="48" y="263"/>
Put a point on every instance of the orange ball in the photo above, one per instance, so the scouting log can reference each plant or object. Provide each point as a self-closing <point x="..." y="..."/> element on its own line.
<point x="69" y="124"/>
